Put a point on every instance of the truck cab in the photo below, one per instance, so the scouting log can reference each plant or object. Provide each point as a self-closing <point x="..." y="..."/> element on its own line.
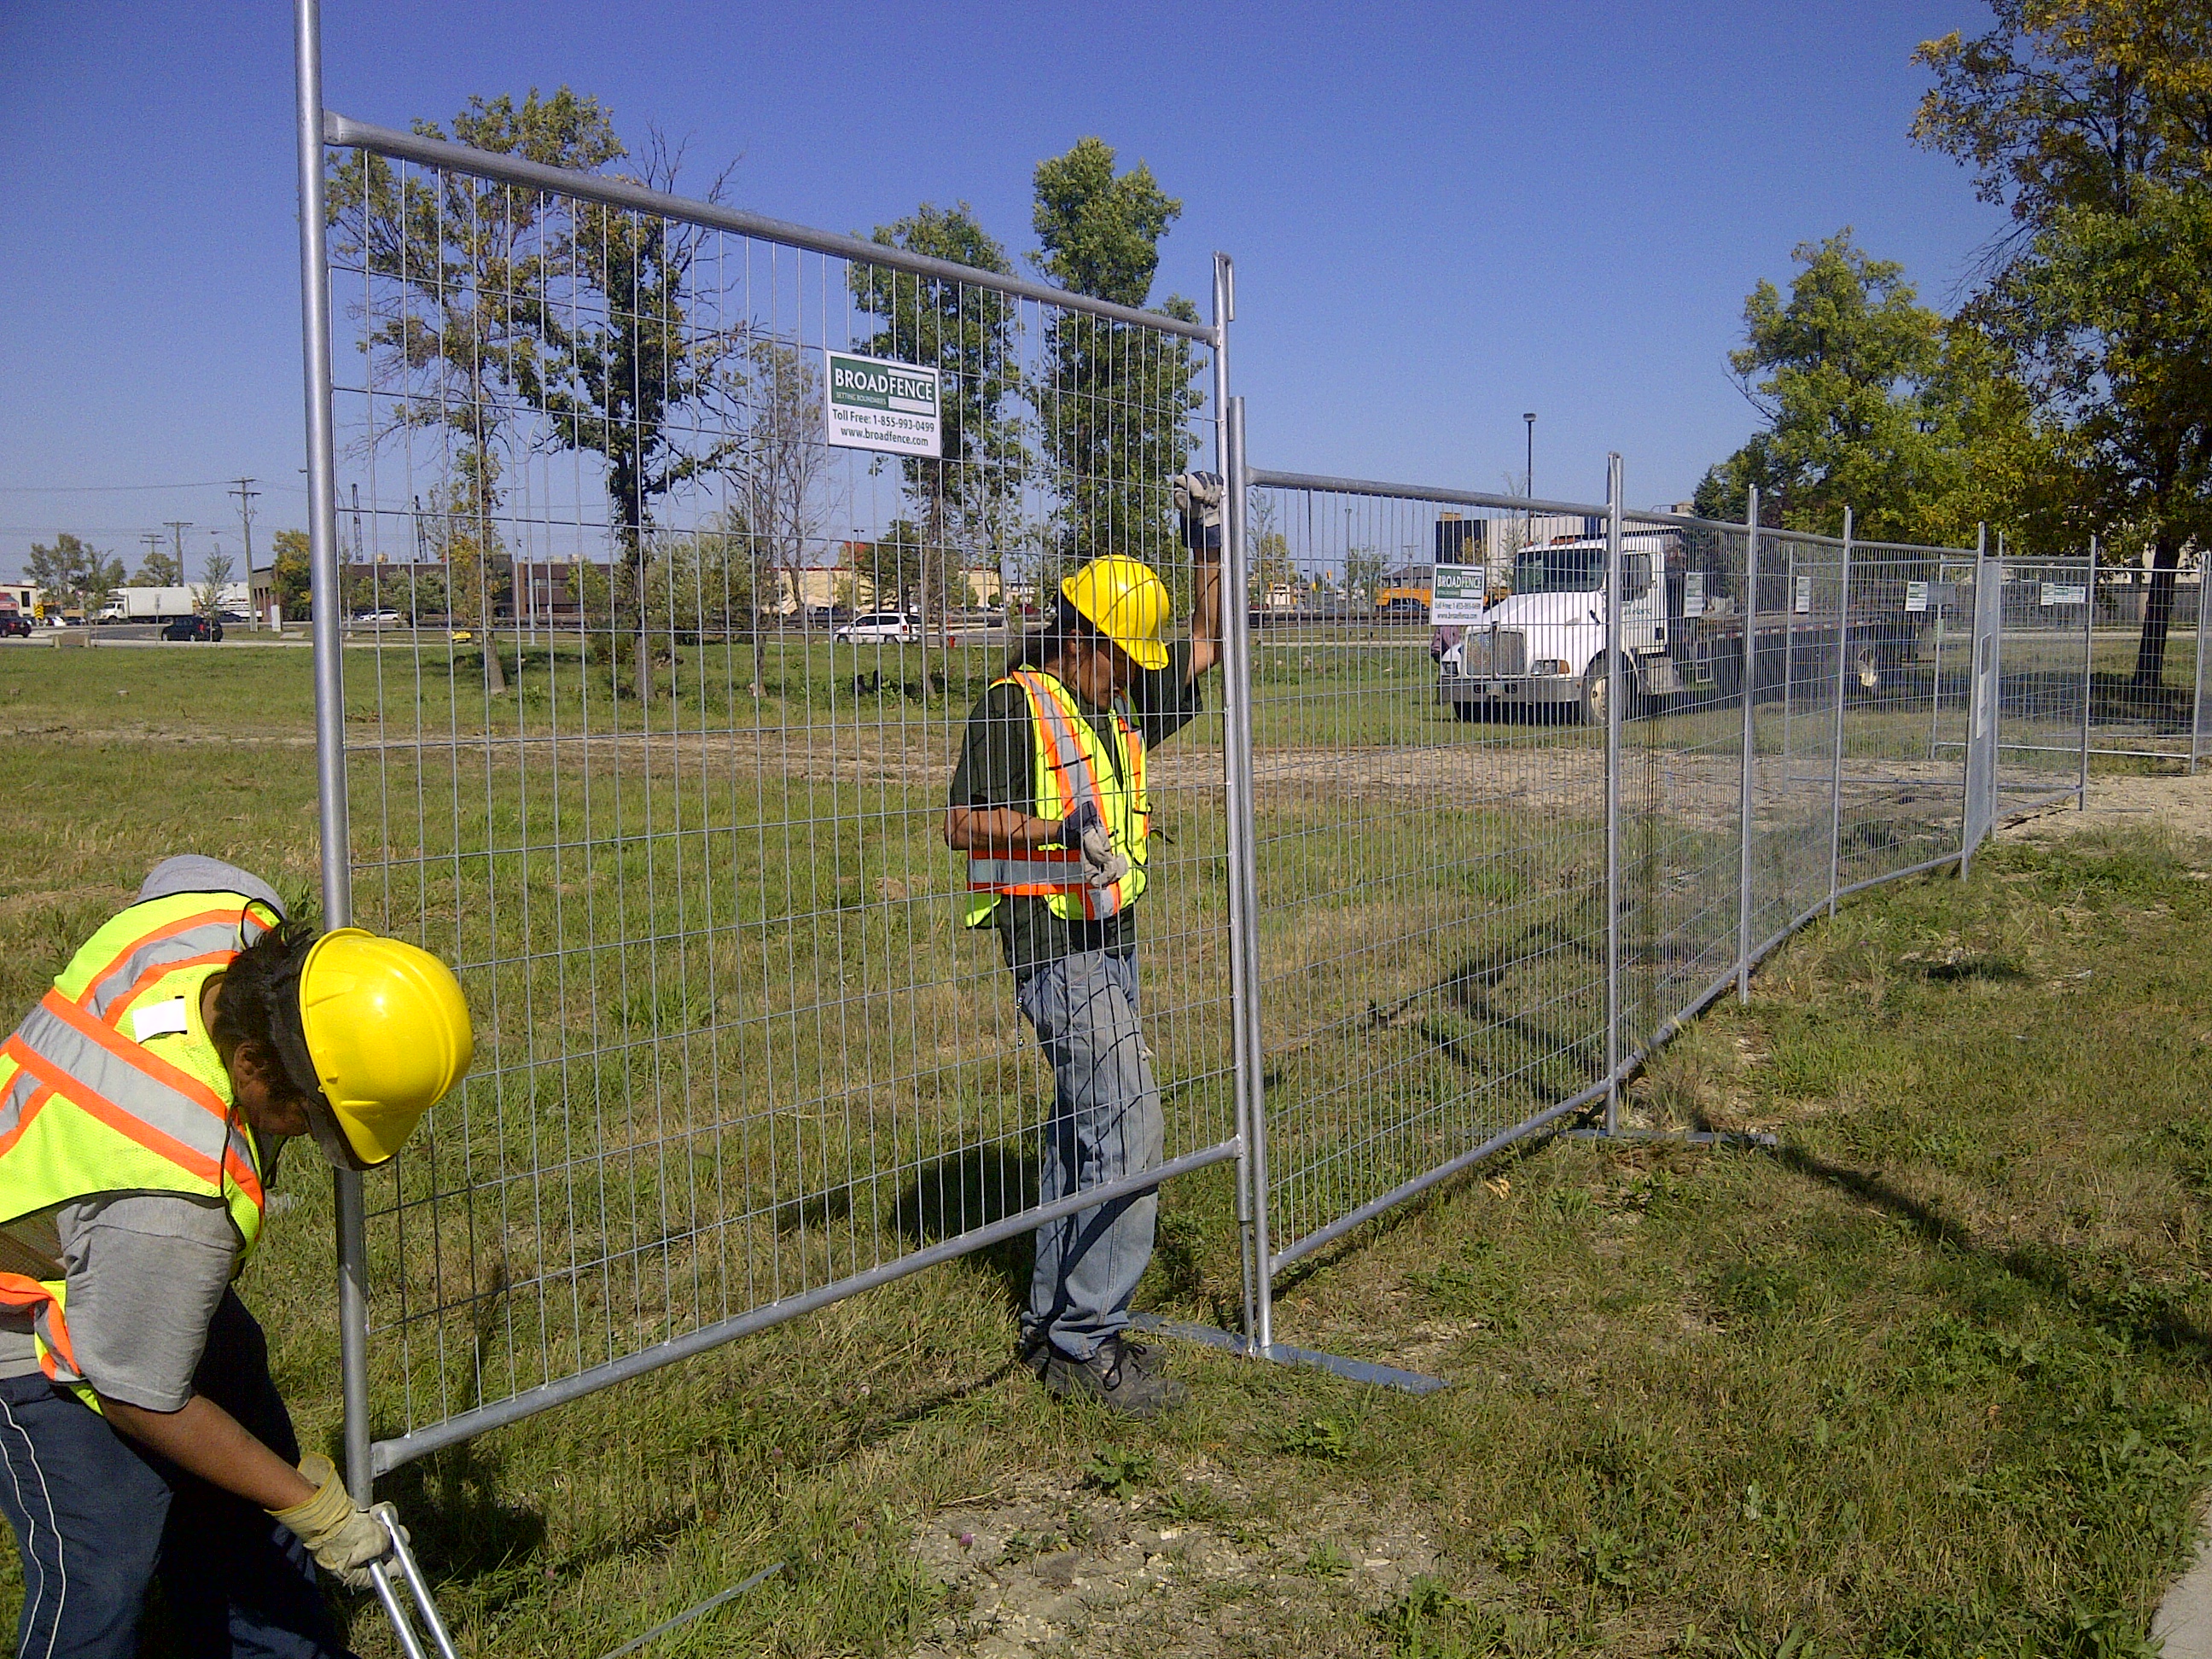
<point x="1544" y="644"/>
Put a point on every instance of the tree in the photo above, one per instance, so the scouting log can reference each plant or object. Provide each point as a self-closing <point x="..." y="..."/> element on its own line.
<point x="1115" y="403"/>
<point x="215" y="576"/>
<point x="2091" y="121"/>
<point x="626" y="382"/>
<point x="1362" y="574"/>
<point x="968" y="495"/>
<point x="459" y="334"/>
<point x="1271" y="563"/>
<point x="291" y="573"/>
<point x="778" y="519"/>
<point x="1837" y="373"/>
<point x="73" y="572"/>
<point x="158" y="570"/>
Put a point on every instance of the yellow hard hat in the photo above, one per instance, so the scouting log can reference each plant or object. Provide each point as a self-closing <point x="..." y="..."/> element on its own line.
<point x="1121" y="598"/>
<point x="388" y="1032"/>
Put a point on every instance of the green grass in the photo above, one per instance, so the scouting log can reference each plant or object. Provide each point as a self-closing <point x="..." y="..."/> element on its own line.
<point x="1932" y="1381"/>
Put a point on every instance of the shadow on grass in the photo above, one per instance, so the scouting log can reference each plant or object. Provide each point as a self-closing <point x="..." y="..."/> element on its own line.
<point x="971" y="1189"/>
<point x="2137" y="1314"/>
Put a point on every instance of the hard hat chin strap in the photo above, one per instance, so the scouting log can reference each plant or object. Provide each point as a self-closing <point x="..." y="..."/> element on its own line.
<point x="288" y="1034"/>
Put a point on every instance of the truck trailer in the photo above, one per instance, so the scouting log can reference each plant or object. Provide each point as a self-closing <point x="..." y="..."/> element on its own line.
<point x="1546" y="645"/>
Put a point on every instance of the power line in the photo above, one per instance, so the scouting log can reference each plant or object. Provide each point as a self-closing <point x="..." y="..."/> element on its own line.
<point x="102" y="490"/>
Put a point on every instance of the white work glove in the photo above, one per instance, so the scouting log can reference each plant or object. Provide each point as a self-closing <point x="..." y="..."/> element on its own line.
<point x="1198" y="498"/>
<point x="1085" y="832"/>
<point x="344" y="1540"/>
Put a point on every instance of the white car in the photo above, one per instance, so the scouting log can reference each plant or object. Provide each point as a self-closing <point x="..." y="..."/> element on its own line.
<point x="878" y="625"/>
<point x="376" y="618"/>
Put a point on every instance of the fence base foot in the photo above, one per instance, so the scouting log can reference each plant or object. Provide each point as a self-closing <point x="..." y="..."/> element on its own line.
<point x="1740" y="1138"/>
<point x="1356" y="1371"/>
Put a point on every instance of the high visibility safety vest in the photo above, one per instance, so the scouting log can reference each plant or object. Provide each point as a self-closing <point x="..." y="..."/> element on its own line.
<point x="113" y="1085"/>
<point x="1071" y="765"/>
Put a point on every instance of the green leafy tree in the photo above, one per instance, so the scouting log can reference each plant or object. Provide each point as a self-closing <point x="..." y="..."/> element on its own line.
<point x="215" y="576"/>
<point x="2091" y="122"/>
<point x="158" y="570"/>
<point x="74" y="572"/>
<point x="458" y="333"/>
<point x="1114" y="405"/>
<point x="633" y="380"/>
<point x="291" y="574"/>
<point x="1837" y="371"/>
<point x="967" y="497"/>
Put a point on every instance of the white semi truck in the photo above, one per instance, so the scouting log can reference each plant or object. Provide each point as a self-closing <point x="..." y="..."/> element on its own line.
<point x="1546" y="645"/>
<point x="164" y="604"/>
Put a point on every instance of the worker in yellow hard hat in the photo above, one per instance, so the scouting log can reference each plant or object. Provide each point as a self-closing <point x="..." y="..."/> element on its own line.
<point x="143" y="1106"/>
<point x="1050" y="805"/>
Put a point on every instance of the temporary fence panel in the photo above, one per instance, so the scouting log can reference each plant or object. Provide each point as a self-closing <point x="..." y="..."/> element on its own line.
<point x="2146" y="684"/>
<point x="1430" y="862"/>
<point x="2045" y="665"/>
<point x="1899" y="793"/>
<point x="1686" y="604"/>
<point x="689" y="541"/>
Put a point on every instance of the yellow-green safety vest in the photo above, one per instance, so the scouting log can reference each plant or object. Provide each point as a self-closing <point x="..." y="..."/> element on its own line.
<point x="113" y="1085"/>
<point x="1071" y="765"/>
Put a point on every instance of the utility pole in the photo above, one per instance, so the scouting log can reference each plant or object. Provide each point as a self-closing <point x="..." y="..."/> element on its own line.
<point x="152" y="539"/>
<point x="177" y="528"/>
<point x="243" y="489"/>
<point x="358" y="557"/>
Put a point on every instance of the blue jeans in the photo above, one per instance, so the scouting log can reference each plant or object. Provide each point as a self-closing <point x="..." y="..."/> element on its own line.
<point x="1105" y="1125"/>
<point x="97" y="1517"/>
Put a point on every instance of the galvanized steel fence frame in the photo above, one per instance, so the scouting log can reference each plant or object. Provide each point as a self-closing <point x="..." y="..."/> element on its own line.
<point x="1706" y="828"/>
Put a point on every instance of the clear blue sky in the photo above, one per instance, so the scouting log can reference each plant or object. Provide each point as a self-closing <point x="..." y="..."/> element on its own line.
<point x="1442" y="215"/>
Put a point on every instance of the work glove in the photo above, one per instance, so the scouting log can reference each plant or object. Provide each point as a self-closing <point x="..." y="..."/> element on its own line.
<point x="344" y="1540"/>
<point x="1084" y="832"/>
<point x="1198" y="498"/>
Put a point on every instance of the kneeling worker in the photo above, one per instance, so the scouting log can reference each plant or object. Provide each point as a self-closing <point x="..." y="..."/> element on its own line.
<point x="1049" y="804"/>
<point x="143" y="1103"/>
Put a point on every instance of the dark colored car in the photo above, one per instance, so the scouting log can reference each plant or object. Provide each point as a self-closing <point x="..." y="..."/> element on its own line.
<point x="194" y="628"/>
<point x="15" y="625"/>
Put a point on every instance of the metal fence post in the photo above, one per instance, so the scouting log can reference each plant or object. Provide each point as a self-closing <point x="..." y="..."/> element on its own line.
<point x="2089" y="671"/>
<point x="2197" y="683"/>
<point x="1244" y="880"/>
<point x="1616" y="700"/>
<point x="1836" y="754"/>
<point x="1979" y="782"/>
<point x="330" y="696"/>
<point x="1750" y="690"/>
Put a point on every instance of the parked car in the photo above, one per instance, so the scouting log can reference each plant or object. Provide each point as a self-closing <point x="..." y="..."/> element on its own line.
<point x="877" y="625"/>
<point x="376" y="618"/>
<point x="15" y="625"/>
<point x="194" y="628"/>
<point x="1402" y="609"/>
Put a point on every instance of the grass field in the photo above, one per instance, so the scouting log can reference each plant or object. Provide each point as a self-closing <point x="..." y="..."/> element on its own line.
<point x="1930" y="1382"/>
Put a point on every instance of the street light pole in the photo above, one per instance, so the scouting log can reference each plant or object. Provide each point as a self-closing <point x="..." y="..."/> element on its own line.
<point x="1529" y="481"/>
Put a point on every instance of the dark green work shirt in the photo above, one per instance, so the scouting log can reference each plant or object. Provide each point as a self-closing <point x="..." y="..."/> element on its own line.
<point x="998" y="768"/>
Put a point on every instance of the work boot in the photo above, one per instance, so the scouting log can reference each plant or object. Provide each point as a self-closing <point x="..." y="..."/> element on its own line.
<point x="1114" y="1379"/>
<point x="1037" y="1350"/>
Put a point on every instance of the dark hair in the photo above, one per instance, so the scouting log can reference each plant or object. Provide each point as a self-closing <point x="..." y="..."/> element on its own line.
<point x="259" y="1000"/>
<point x="1042" y="645"/>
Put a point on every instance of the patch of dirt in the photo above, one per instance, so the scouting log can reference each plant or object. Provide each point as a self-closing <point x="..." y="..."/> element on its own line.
<point x="2181" y="804"/>
<point x="1075" y="1572"/>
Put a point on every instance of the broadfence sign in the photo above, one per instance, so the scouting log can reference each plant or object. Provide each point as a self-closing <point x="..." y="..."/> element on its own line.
<point x="876" y="403"/>
<point x="1456" y="593"/>
<point x="2054" y="594"/>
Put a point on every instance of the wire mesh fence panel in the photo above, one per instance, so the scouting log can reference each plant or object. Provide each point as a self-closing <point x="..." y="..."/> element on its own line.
<point x="1799" y="638"/>
<point x="1683" y="600"/>
<point x="2145" y="665"/>
<point x="655" y="688"/>
<point x="1902" y="777"/>
<point x="2045" y="673"/>
<point x="1429" y="812"/>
